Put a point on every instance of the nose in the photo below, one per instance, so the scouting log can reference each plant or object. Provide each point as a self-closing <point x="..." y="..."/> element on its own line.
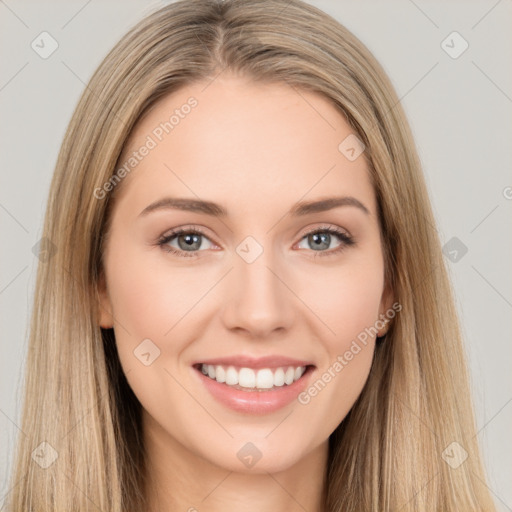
<point x="258" y="300"/>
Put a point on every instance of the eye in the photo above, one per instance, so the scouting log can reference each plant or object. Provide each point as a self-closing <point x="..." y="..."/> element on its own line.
<point x="189" y="240"/>
<point x="321" y="238"/>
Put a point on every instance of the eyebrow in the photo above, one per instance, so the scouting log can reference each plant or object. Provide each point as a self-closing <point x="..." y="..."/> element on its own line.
<point x="209" y="208"/>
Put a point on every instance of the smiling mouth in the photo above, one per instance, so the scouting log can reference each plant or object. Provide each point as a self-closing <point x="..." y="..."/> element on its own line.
<point x="254" y="380"/>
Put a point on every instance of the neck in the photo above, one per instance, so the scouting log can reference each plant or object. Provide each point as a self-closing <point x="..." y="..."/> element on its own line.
<point x="179" y="479"/>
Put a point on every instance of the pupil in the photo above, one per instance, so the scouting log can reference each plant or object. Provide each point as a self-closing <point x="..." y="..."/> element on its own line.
<point x="190" y="239"/>
<point x="317" y="237"/>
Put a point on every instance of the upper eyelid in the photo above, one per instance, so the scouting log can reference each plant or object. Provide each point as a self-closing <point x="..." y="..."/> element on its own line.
<point x="327" y="227"/>
<point x="200" y="230"/>
<point x="193" y="228"/>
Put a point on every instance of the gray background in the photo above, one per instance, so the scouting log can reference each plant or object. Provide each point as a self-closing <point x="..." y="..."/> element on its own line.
<point x="460" y="111"/>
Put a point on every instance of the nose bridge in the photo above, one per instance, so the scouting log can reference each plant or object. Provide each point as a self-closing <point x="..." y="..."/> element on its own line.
<point x="257" y="299"/>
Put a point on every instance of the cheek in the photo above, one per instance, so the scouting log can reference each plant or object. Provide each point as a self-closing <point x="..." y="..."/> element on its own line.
<point x="346" y="299"/>
<point x="149" y="299"/>
<point x="347" y="303"/>
<point x="154" y="298"/>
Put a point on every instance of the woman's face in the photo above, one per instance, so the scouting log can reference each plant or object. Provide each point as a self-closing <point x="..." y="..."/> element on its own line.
<point x="253" y="286"/>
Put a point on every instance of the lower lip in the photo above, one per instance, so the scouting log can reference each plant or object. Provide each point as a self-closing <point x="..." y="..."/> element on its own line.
<point x="253" y="401"/>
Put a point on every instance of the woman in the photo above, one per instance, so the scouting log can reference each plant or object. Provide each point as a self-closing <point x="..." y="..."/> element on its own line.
<point x="248" y="305"/>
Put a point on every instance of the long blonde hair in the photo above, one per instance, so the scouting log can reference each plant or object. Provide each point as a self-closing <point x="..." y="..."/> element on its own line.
<point x="389" y="453"/>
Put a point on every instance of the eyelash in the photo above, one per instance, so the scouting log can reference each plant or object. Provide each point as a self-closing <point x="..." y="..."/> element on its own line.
<point x="346" y="240"/>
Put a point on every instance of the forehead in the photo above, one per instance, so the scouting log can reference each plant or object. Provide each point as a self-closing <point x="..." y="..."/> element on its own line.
<point x="244" y="143"/>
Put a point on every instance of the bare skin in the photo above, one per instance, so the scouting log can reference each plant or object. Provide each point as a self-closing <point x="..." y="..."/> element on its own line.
<point x="256" y="150"/>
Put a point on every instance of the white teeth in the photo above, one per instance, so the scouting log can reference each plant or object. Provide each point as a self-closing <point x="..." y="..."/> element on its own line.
<point x="289" y="375"/>
<point x="246" y="378"/>
<point x="279" y="377"/>
<point x="231" y="376"/>
<point x="264" y="378"/>
<point x="220" y="374"/>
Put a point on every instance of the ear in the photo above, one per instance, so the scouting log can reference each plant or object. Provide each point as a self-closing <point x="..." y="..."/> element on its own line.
<point x="385" y="305"/>
<point x="106" y="319"/>
<point x="386" y="299"/>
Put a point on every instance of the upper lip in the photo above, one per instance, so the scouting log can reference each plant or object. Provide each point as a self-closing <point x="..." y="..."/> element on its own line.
<point x="244" y="361"/>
